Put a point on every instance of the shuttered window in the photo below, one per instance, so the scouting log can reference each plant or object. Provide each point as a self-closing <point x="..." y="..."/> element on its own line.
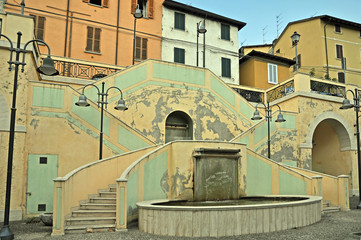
<point x="141" y="46"/>
<point x="225" y="32"/>
<point x="272" y="73"/>
<point x="339" y="51"/>
<point x="179" y="21"/>
<point x="39" y="26"/>
<point x="102" y="3"/>
<point x="179" y="55"/>
<point x="146" y="6"/>
<point x="341" y="77"/>
<point x="93" y="39"/>
<point x="226" y="67"/>
<point x="337" y="28"/>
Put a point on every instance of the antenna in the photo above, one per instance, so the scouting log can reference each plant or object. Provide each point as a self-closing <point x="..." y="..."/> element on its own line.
<point x="264" y="32"/>
<point x="243" y="42"/>
<point x="278" y="22"/>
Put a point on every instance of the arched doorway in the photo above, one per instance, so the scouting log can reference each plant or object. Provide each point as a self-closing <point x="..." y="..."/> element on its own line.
<point x="330" y="142"/>
<point x="178" y="126"/>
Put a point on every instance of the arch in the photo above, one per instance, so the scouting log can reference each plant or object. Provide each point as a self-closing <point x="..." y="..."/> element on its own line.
<point x="342" y="128"/>
<point x="4" y="114"/>
<point x="178" y="126"/>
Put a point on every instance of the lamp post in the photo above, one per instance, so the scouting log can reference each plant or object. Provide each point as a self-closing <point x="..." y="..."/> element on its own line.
<point x="48" y="69"/>
<point x="295" y="39"/>
<point x="347" y="105"/>
<point x="268" y="110"/>
<point x="201" y="29"/>
<point x="101" y="101"/>
<point x="137" y="14"/>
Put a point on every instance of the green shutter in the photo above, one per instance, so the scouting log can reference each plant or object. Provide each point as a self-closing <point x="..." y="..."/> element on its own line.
<point x="179" y="55"/>
<point x="225" y="32"/>
<point x="226" y="67"/>
<point x="179" y="21"/>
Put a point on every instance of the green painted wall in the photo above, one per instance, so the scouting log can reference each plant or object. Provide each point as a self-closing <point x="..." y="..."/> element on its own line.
<point x="244" y="140"/>
<point x="245" y="109"/>
<point x="130" y="78"/>
<point x="154" y="171"/>
<point x="132" y="192"/>
<point x="92" y="93"/>
<point x="91" y="116"/>
<point x="223" y="91"/>
<point x="259" y="181"/>
<point x="40" y="185"/>
<point x="130" y="140"/>
<point x="48" y="97"/>
<point x="261" y="131"/>
<point x="291" y="185"/>
<point x="291" y="122"/>
<point x="179" y="74"/>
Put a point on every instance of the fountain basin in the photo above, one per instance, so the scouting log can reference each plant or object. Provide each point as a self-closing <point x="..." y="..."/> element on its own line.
<point x="166" y="217"/>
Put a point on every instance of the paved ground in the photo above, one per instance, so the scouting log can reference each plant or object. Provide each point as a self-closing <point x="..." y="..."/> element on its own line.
<point x="333" y="226"/>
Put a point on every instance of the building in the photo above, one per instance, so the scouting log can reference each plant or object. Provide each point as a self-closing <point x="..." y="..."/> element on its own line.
<point x="326" y="42"/>
<point x="182" y="42"/>
<point x="266" y="48"/>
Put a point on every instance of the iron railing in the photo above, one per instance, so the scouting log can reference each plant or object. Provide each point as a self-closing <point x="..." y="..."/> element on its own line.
<point x="84" y="71"/>
<point x="281" y="91"/>
<point x="327" y="89"/>
<point x="249" y="95"/>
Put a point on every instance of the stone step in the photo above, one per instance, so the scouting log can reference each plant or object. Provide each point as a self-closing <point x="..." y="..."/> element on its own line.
<point x="326" y="203"/>
<point x="107" y="194"/>
<point x="331" y="209"/>
<point x="97" y="206"/>
<point x="112" y="187"/>
<point x="89" y="221"/>
<point x="89" y="228"/>
<point x="102" y="200"/>
<point x="93" y="213"/>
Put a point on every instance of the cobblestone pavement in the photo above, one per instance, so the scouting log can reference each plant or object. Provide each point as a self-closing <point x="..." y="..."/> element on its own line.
<point x="333" y="226"/>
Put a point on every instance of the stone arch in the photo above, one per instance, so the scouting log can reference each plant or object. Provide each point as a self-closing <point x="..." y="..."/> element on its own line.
<point x="178" y="126"/>
<point x="4" y="114"/>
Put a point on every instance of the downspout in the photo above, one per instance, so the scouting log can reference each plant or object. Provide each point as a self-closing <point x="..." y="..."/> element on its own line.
<point x="324" y="32"/>
<point x="22" y="6"/>
<point x="70" y="33"/>
<point x="66" y="28"/>
<point x="117" y="37"/>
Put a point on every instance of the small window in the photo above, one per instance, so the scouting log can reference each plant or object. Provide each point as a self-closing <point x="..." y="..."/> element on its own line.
<point x="226" y="67"/>
<point x="39" y="26"/>
<point x="141" y="48"/>
<point x="93" y="40"/>
<point x="41" y="207"/>
<point x="341" y="77"/>
<point x="146" y="6"/>
<point x="179" y="55"/>
<point x="339" y="51"/>
<point x="43" y="160"/>
<point x="100" y="3"/>
<point x="272" y="73"/>
<point x="225" y="32"/>
<point x="179" y="21"/>
<point x="337" y="28"/>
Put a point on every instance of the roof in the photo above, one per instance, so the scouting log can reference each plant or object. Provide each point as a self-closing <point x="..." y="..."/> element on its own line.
<point x="201" y="13"/>
<point x="257" y="45"/>
<point x="325" y="18"/>
<point x="267" y="56"/>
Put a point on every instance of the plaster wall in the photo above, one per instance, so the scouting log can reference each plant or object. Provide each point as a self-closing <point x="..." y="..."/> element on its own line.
<point x="216" y="48"/>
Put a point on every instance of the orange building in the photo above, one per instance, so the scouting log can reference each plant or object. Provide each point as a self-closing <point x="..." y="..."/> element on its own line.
<point x="96" y="30"/>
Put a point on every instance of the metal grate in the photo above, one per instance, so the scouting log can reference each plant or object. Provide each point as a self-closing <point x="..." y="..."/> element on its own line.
<point x="41" y="207"/>
<point x="43" y="160"/>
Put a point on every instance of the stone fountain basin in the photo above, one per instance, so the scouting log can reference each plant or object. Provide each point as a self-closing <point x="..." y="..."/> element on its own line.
<point x="228" y="220"/>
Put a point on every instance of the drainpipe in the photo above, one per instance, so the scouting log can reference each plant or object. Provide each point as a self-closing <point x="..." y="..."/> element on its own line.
<point x="117" y="37"/>
<point x="70" y="33"/>
<point x="66" y="28"/>
<point x="22" y="6"/>
<point x="324" y="32"/>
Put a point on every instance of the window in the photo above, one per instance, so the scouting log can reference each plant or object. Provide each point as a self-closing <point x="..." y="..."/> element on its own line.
<point x="93" y="40"/>
<point x="225" y="34"/>
<point x="226" y="67"/>
<point x="337" y="28"/>
<point x="272" y="73"/>
<point x="339" y="51"/>
<point x="39" y="26"/>
<point x="299" y="62"/>
<point x="100" y="3"/>
<point x="179" y="55"/>
<point x="179" y="21"/>
<point x="146" y="6"/>
<point x="141" y="45"/>
<point x="341" y="77"/>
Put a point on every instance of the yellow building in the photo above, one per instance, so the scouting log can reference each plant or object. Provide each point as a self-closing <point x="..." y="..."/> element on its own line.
<point x="325" y="41"/>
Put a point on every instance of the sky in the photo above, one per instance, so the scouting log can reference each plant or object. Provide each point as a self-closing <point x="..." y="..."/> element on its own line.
<point x="261" y="15"/>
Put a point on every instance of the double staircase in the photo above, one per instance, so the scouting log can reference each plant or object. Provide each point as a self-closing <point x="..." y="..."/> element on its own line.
<point x="97" y="214"/>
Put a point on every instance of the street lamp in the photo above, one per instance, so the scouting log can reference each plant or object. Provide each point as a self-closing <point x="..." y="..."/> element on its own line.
<point x="201" y="29"/>
<point x="347" y="105"/>
<point x="137" y="14"/>
<point x="48" y="69"/>
<point x="268" y="109"/>
<point x="295" y="39"/>
<point x="101" y="94"/>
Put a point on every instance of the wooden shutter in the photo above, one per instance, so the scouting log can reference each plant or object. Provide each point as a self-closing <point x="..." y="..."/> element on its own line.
<point x="105" y="3"/>
<point x="137" y="47"/>
<point x="339" y="52"/>
<point x="144" y="48"/>
<point x="40" y="28"/>
<point x="86" y="1"/>
<point x="150" y="8"/>
<point x="341" y="77"/>
<point x="133" y="6"/>
<point x="97" y="40"/>
<point x="89" y="41"/>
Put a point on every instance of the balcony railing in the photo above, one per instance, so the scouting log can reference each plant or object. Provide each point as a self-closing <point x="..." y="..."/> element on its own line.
<point x="281" y="91"/>
<point x="249" y="95"/>
<point x="327" y="88"/>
